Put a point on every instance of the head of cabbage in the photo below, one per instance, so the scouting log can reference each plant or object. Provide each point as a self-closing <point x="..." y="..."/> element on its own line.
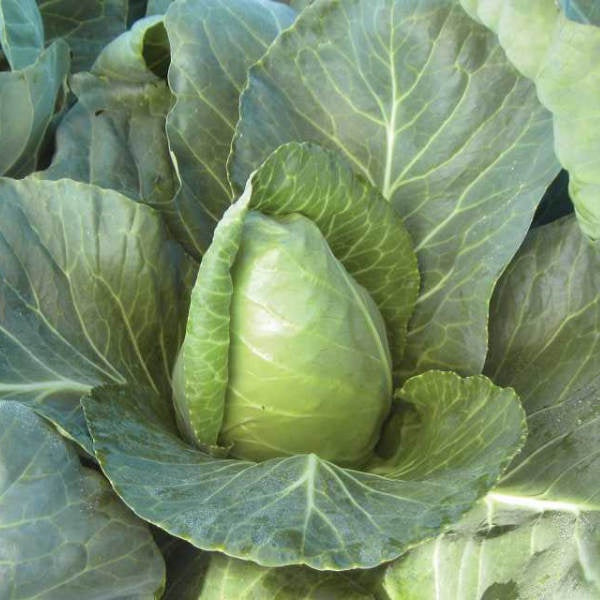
<point x="303" y="362"/>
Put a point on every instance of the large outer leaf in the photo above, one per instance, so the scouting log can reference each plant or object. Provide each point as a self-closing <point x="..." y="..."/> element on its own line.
<point x="213" y="42"/>
<point x="423" y="102"/>
<point x="361" y="229"/>
<point x="114" y="137"/>
<point x="545" y="342"/>
<point x="563" y="59"/>
<point x="27" y="102"/>
<point x="21" y="32"/>
<point x="91" y="291"/>
<point x="64" y="535"/>
<point x="87" y="25"/>
<point x="504" y="551"/>
<point x="301" y="509"/>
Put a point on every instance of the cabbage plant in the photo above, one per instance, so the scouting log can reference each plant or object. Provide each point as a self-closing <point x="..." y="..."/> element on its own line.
<point x="295" y="301"/>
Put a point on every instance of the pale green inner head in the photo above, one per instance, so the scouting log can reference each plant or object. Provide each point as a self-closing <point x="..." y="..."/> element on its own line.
<point x="309" y="363"/>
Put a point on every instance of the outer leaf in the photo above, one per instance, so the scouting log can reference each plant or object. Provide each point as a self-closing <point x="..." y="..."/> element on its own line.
<point x="21" y="32"/>
<point x="504" y="551"/>
<point x="213" y="42"/>
<point x="114" y="136"/>
<point x="87" y="25"/>
<point x="402" y="88"/>
<point x="545" y="332"/>
<point x="561" y="57"/>
<point x="27" y="102"/>
<point x="91" y="291"/>
<point x="63" y="534"/>
<point x="361" y="229"/>
<point x="301" y="509"/>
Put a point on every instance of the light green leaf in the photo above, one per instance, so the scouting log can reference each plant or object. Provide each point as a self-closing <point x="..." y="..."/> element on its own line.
<point x="454" y="422"/>
<point x="301" y="509"/>
<point x="545" y="342"/>
<point x="362" y="231"/>
<point x="196" y="575"/>
<point x="114" y="137"/>
<point x="299" y="5"/>
<point x="201" y="370"/>
<point x="64" y="535"/>
<point x="91" y="291"/>
<point x="21" y="32"/>
<point x="232" y="578"/>
<point x="27" y="103"/>
<point x="505" y="551"/>
<point x="561" y="57"/>
<point x="213" y="42"/>
<point x="402" y="88"/>
<point x="87" y="25"/>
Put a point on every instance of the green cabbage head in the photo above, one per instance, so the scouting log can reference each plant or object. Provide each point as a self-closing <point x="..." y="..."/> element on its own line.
<point x="287" y="352"/>
<point x="309" y="364"/>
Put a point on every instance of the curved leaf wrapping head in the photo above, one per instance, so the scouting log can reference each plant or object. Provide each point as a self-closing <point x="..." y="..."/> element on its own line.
<point x="374" y="252"/>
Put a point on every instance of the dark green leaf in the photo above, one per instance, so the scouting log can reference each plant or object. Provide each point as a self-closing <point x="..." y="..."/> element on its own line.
<point x="555" y="203"/>
<point x="545" y="342"/>
<point x="301" y="509"/>
<point x="136" y="10"/>
<point x="27" y="105"/>
<point x="87" y="25"/>
<point x="114" y="137"/>
<point x="21" y="32"/>
<point x="64" y="535"/>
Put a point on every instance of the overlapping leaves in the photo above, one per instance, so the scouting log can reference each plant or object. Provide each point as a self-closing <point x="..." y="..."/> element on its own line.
<point x="92" y="291"/>
<point x="561" y="57"/>
<point x="62" y="520"/>
<point x="31" y="91"/>
<point x="402" y="89"/>
<point x="302" y="509"/>
<point x="536" y="535"/>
